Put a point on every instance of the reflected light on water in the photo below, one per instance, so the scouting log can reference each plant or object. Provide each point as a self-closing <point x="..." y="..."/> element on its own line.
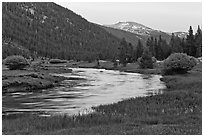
<point x="91" y="87"/>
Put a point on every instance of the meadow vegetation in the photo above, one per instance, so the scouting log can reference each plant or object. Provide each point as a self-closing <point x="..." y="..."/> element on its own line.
<point x="16" y="62"/>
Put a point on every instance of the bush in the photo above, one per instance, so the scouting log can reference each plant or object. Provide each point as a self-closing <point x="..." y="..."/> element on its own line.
<point x="146" y="60"/>
<point x="139" y="60"/>
<point x="194" y="60"/>
<point x="16" y="62"/>
<point x="154" y="60"/>
<point x="57" y="61"/>
<point x="178" y="63"/>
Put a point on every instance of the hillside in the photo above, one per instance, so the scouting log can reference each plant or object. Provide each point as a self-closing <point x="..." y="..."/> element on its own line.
<point x="130" y="37"/>
<point x="135" y="30"/>
<point x="47" y="29"/>
<point x="11" y="48"/>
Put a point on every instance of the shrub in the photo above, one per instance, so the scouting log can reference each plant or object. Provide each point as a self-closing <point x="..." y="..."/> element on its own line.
<point x="154" y="60"/>
<point x="178" y="63"/>
<point x="194" y="60"/>
<point x="139" y="60"/>
<point x="57" y="61"/>
<point x="146" y="60"/>
<point x="16" y="62"/>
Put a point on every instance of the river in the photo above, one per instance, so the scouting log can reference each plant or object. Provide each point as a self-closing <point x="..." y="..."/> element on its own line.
<point x="94" y="87"/>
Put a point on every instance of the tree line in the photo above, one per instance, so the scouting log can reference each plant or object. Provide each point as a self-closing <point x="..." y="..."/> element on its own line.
<point x="160" y="49"/>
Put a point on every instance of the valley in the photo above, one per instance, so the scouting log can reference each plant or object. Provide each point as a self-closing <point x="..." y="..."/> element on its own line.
<point x="65" y="75"/>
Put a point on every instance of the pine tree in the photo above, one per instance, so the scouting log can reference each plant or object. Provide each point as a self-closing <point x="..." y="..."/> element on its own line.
<point x="150" y="45"/>
<point x="175" y="44"/>
<point x="139" y="49"/>
<point x="183" y="45"/>
<point x="159" y="54"/>
<point x="198" y="42"/>
<point x="123" y="52"/>
<point x="166" y="49"/>
<point x="146" y="60"/>
<point x="163" y="49"/>
<point x="190" y="43"/>
<point x="155" y="47"/>
<point x="148" y="42"/>
<point x="129" y="53"/>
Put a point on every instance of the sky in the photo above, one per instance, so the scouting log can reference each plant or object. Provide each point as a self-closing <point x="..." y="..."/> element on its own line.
<point x="166" y="16"/>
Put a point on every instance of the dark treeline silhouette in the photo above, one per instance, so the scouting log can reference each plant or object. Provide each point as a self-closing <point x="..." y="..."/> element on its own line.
<point x="160" y="49"/>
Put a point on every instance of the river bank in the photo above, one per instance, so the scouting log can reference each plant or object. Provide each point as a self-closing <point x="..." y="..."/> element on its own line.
<point x="130" y="67"/>
<point x="176" y="111"/>
<point x="31" y="79"/>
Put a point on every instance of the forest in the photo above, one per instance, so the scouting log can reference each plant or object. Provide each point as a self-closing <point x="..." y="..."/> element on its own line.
<point x="49" y="30"/>
<point x="161" y="49"/>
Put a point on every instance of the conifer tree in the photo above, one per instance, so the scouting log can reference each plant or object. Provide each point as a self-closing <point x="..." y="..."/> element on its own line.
<point x="150" y="45"/>
<point x="130" y="53"/>
<point x="166" y="49"/>
<point x="156" y="48"/>
<point x="159" y="54"/>
<point x="183" y="45"/>
<point x="123" y="52"/>
<point x="190" y="43"/>
<point x="146" y="60"/>
<point x="198" y="42"/>
<point x="175" y="44"/>
<point x="139" y="49"/>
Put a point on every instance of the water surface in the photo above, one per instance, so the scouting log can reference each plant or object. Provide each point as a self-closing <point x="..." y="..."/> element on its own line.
<point x="94" y="87"/>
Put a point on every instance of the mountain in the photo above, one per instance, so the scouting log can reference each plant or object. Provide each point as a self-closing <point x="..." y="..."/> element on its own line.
<point x="138" y="30"/>
<point x="129" y="37"/>
<point x="47" y="29"/>
<point x="133" y="27"/>
<point x="181" y="34"/>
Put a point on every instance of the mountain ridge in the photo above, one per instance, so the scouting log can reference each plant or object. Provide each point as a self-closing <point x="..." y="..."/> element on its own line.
<point x="124" y="25"/>
<point x="138" y="31"/>
<point x="135" y="30"/>
<point x="50" y="30"/>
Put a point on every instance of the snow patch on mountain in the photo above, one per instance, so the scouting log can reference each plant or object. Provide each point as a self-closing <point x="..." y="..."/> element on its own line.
<point x="132" y="27"/>
<point x="142" y="30"/>
<point x="181" y="34"/>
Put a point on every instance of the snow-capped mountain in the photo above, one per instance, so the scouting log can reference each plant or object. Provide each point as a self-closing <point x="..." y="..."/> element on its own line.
<point x="181" y="34"/>
<point x="132" y="27"/>
<point x="140" y="31"/>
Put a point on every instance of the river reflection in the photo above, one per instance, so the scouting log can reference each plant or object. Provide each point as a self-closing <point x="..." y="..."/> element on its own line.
<point x="94" y="87"/>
